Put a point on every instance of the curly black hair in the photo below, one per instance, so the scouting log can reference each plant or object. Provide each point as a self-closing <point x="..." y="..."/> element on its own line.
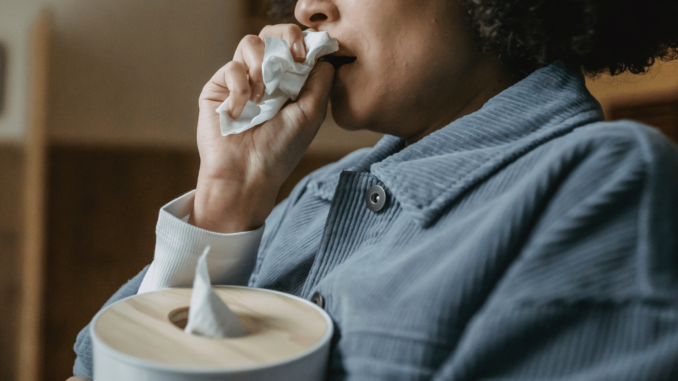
<point x="598" y="36"/>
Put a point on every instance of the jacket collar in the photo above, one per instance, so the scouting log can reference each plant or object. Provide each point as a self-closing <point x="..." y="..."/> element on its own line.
<point x="429" y="175"/>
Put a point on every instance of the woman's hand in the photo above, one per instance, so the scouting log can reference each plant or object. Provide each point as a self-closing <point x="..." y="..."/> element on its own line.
<point x="240" y="175"/>
<point x="78" y="379"/>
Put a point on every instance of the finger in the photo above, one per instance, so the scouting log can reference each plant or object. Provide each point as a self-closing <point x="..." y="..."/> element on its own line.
<point x="235" y="77"/>
<point x="251" y="52"/>
<point x="292" y="34"/>
<point x="295" y="39"/>
<point x="316" y="90"/>
<point x="313" y="98"/>
<point x="215" y="90"/>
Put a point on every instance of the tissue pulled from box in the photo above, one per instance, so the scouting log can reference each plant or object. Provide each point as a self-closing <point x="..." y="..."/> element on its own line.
<point x="283" y="78"/>
<point x="208" y="315"/>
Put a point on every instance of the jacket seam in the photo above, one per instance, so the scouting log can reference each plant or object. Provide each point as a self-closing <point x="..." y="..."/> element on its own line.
<point x="643" y="218"/>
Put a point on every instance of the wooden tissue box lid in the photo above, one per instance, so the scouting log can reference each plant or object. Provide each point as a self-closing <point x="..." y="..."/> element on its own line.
<point x="282" y="327"/>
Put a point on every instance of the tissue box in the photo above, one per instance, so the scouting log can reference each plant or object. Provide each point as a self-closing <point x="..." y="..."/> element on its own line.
<point x="142" y="338"/>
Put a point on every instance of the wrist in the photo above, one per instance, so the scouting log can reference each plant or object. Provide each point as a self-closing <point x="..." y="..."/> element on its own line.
<point x="225" y="206"/>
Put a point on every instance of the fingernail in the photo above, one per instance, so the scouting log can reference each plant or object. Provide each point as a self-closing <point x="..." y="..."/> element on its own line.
<point x="258" y="92"/>
<point x="235" y="115"/>
<point x="299" y="49"/>
<point x="233" y="112"/>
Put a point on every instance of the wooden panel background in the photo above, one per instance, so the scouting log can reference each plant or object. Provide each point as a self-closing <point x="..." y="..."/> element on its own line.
<point x="661" y="112"/>
<point x="11" y="224"/>
<point x="102" y="207"/>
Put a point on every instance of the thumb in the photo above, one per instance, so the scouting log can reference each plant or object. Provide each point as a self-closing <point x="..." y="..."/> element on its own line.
<point x="313" y="98"/>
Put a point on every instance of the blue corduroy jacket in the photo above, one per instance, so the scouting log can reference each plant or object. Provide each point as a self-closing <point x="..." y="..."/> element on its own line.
<point x="526" y="241"/>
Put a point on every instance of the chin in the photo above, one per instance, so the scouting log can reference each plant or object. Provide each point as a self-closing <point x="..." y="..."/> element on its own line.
<point x="345" y="117"/>
<point x="346" y="123"/>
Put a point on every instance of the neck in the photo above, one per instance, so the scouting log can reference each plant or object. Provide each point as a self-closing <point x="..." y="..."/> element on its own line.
<point x="487" y="80"/>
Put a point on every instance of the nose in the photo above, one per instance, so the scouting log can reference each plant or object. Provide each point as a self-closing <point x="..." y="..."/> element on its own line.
<point x="314" y="13"/>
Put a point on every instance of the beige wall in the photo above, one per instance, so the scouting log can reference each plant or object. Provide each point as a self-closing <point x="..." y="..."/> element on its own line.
<point x="130" y="71"/>
<point x="16" y="20"/>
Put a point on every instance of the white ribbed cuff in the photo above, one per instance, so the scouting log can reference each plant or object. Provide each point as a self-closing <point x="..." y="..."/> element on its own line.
<point x="178" y="246"/>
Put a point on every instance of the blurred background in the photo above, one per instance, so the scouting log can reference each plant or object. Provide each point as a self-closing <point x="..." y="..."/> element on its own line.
<point x="98" y="108"/>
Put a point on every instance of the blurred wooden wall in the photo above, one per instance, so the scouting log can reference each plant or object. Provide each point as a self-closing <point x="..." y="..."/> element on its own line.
<point x="660" y="111"/>
<point x="102" y="207"/>
<point x="21" y="205"/>
<point x="651" y="98"/>
<point x="11" y="234"/>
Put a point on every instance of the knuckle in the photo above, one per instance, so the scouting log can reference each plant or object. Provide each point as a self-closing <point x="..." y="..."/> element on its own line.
<point x="251" y="39"/>
<point x="292" y="29"/>
<point x="240" y="91"/>
<point x="265" y="30"/>
<point x="203" y="103"/>
<point x="233" y="66"/>
<point x="256" y="74"/>
<point x="299" y="117"/>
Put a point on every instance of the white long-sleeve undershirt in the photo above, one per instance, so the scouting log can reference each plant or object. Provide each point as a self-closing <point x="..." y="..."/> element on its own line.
<point x="179" y="245"/>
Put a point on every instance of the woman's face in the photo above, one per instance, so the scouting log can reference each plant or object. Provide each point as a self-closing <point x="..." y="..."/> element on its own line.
<point x="417" y="62"/>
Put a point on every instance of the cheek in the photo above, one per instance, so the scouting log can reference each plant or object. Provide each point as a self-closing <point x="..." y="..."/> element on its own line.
<point x="355" y="96"/>
<point x="374" y="97"/>
<point x="395" y="82"/>
<point x="349" y="105"/>
<point x="373" y="104"/>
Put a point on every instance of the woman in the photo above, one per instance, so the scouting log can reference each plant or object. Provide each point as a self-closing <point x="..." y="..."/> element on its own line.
<point x="500" y="230"/>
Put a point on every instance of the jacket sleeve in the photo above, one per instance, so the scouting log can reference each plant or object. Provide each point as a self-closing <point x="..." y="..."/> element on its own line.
<point x="83" y="344"/>
<point x="593" y="292"/>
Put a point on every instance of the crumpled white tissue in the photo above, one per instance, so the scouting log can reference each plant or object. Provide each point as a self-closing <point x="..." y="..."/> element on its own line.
<point x="208" y="315"/>
<point x="283" y="78"/>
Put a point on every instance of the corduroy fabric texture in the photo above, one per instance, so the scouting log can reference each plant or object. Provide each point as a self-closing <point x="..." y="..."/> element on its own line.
<point x="526" y="241"/>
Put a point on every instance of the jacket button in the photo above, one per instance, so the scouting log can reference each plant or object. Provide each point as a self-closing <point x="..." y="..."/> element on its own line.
<point x="318" y="299"/>
<point x="375" y="198"/>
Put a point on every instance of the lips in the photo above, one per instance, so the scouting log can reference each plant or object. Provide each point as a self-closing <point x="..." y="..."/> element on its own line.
<point x="339" y="60"/>
<point x="343" y="56"/>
